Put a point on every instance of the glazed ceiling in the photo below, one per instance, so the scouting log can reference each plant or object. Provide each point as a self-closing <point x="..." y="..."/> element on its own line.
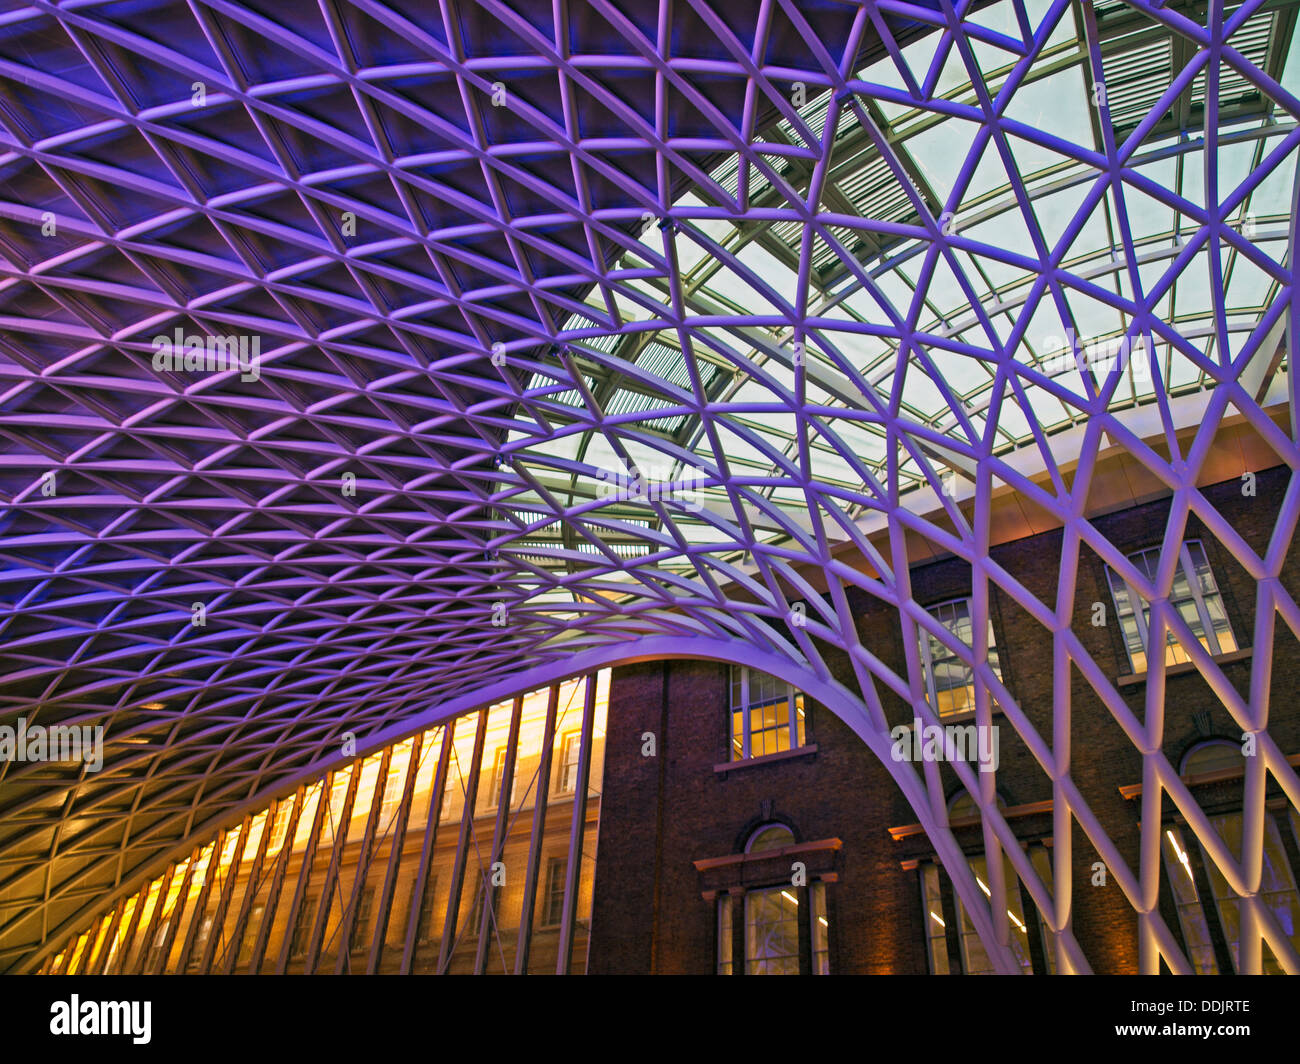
<point x="800" y="264"/>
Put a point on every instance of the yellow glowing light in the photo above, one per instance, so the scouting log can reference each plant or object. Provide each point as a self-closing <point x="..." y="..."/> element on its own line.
<point x="1182" y="857"/>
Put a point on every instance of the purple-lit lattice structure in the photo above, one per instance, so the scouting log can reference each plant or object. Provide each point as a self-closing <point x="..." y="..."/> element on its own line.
<point x="808" y="267"/>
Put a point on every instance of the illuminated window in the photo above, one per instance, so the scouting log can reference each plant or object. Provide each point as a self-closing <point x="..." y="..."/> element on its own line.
<point x="156" y="947"/>
<point x="1277" y="883"/>
<point x="1195" y="596"/>
<point x="1187" y="901"/>
<point x="821" y="950"/>
<point x="245" y="953"/>
<point x="498" y="775"/>
<point x="393" y="787"/>
<point x="950" y="682"/>
<point x="572" y="747"/>
<point x="201" y="940"/>
<point x="971" y="957"/>
<point x="935" y="926"/>
<point x="767" y="715"/>
<point x="974" y="959"/>
<point x="553" y="902"/>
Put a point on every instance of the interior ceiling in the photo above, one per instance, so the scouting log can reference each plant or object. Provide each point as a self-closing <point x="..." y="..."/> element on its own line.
<point x="805" y="262"/>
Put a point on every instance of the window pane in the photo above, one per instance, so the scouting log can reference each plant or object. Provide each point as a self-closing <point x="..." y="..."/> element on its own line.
<point x="950" y="681"/>
<point x="1189" y="586"/>
<point x="1191" y="916"/>
<point x="724" y="935"/>
<point x="821" y="956"/>
<point x="766" y="717"/>
<point x="1277" y="888"/>
<point x="975" y="958"/>
<point x="772" y="932"/>
<point x="1042" y="863"/>
<point x="936" y="929"/>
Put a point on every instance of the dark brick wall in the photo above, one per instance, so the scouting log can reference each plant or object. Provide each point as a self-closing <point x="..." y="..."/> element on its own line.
<point x="661" y="814"/>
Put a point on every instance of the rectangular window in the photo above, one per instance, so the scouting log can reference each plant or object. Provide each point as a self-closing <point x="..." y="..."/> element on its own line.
<point x="245" y="953"/>
<point x="498" y="776"/>
<point x="1187" y="901"/>
<point x="935" y="926"/>
<point x="1195" y="596"/>
<point x="393" y="788"/>
<point x="475" y="901"/>
<point x="771" y="932"/>
<point x="821" y="950"/>
<point x="360" y="936"/>
<point x="425" y="928"/>
<point x="553" y="902"/>
<point x="302" y="927"/>
<point x="767" y="715"/>
<point x="974" y="959"/>
<point x="1042" y="863"/>
<point x="156" y="947"/>
<point x="949" y="681"/>
<point x="201" y="941"/>
<point x="570" y="751"/>
<point x="724" y="935"/>
<point x="1277" y="888"/>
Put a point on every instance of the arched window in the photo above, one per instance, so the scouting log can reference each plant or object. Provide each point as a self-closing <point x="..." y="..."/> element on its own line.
<point x="786" y="929"/>
<point x="770" y="837"/>
<point x="1212" y="756"/>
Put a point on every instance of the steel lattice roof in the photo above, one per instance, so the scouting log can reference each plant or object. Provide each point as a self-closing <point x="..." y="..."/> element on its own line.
<point x="811" y="268"/>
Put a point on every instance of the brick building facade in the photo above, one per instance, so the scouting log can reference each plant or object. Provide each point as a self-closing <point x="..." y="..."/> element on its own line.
<point x="674" y="826"/>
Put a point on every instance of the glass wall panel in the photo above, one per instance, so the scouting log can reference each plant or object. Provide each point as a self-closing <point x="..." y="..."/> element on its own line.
<point x="220" y="899"/>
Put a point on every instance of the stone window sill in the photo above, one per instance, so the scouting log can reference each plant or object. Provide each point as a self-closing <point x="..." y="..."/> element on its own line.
<point x="767" y="759"/>
<point x="1135" y="678"/>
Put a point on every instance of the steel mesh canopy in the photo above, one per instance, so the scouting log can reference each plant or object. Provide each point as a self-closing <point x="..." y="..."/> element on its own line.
<point x="598" y="331"/>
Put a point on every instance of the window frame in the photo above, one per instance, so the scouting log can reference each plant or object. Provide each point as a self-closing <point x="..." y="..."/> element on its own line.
<point x="493" y="797"/>
<point x="927" y="657"/>
<point x="754" y="929"/>
<point x="1138" y="609"/>
<point x="567" y="781"/>
<point x="735" y="911"/>
<point x="556" y="871"/>
<point x="1208" y="911"/>
<point x="796" y="721"/>
<point x="936" y="888"/>
<point x="427" y="917"/>
<point x="358" y="935"/>
<point x="300" y="932"/>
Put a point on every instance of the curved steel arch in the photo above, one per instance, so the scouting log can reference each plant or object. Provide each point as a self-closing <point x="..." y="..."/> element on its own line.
<point x="829" y="341"/>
